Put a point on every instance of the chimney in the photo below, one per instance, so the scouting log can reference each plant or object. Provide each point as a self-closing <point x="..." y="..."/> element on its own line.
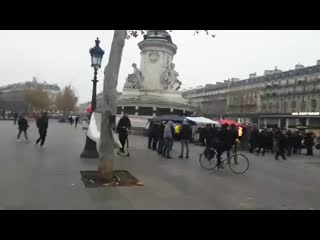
<point x="252" y="75"/>
<point x="268" y="72"/>
<point x="299" y="66"/>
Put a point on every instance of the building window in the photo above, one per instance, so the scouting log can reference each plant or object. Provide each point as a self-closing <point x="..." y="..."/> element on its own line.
<point x="313" y="105"/>
<point x="293" y="106"/>
<point x="303" y="106"/>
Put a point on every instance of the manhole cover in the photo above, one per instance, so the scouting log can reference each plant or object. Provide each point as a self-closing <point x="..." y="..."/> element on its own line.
<point x="121" y="178"/>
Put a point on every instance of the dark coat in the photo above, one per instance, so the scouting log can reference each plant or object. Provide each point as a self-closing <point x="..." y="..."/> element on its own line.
<point x="42" y="123"/>
<point x="124" y="122"/>
<point x="23" y="124"/>
<point x="308" y="140"/>
<point x="185" y="132"/>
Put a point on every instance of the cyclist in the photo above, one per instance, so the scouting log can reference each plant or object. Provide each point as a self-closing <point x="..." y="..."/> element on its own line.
<point x="225" y="142"/>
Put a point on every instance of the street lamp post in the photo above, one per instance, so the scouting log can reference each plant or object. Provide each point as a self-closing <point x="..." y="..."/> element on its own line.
<point x="90" y="149"/>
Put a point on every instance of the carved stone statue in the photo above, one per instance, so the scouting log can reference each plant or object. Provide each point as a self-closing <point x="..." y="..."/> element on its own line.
<point x="134" y="80"/>
<point x="169" y="79"/>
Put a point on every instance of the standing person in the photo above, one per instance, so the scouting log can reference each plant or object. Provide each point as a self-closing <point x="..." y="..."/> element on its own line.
<point x="76" y="121"/>
<point x="15" y="118"/>
<point x="156" y="136"/>
<point x="254" y="139"/>
<point x="168" y="139"/>
<point x="280" y="143"/>
<point x="151" y="134"/>
<point x="123" y="128"/>
<point x="161" y="138"/>
<point x="309" y="143"/>
<point x="185" y="137"/>
<point x="71" y="120"/>
<point x="42" y="125"/>
<point x="290" y="140"/>
<point x="263" y="142"/>
<point x="23" y="127"/>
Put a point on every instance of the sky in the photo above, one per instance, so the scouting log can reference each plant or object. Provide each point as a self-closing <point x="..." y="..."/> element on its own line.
<point x="62" y="56"/>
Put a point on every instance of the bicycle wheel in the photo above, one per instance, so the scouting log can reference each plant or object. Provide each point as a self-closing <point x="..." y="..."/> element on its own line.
<point x="238" y="163"/>
<point x="207" y="163"/>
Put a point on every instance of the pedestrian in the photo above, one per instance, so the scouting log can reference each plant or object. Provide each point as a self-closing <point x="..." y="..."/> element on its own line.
<point x="123" y="129"/>
<point x="15" y="118"/>
<point x="254" y="139"/>
<point x="185" y="137"/>
<point x="281" y="143"/>
<point x="42" y="125"/>
<point x="151" y="134"/>
<point x="290" y="141"/>
<point x="309" y="143"/>
<point x="71" y="120"/>
<point x="161" y="138"/>
<point x="263" y="141"/>
<point x="168" y="139"/>
<point x="156" y="136"/>
<point x="76" y="121"/>
<point x="23" y="127"/>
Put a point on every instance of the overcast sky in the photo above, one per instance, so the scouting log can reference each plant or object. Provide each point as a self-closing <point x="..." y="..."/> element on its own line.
<point x="62" y="57"/>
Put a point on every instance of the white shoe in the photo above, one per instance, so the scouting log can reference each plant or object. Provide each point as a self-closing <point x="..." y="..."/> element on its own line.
<point x="18" y="140"/>
<point x="35" y="143"/>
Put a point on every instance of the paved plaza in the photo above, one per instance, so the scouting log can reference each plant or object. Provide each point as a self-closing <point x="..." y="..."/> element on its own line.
<point x="49" y="178"/>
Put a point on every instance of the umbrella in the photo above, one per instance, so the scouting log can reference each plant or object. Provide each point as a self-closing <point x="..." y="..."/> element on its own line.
<point x="173" y="118"/>
<point x="89" y="109"/>
<point x="229" y="122"/>
<point x="202" y="120"/>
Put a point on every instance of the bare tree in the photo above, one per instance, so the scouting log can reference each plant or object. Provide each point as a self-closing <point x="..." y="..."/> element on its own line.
<point x="66" y="100"/>
<point x="111" y="72"/>
<point x="38" y="98"/>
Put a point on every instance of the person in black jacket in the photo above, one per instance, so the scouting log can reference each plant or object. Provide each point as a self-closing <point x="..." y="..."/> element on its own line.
<point x="123" y="128"/>
<point x="76" y="120"/>
<point x="281" y="142"/>
<point x="42" y="125"/>
<point x="161" y="138"/>
<point x="185" y="137"/>
<point x="309" y="143"/>
<point x="15" y="118"/>
<point x="151" y="134"/>
<point x="254" y="139"/>
<point x="23" y="127"/>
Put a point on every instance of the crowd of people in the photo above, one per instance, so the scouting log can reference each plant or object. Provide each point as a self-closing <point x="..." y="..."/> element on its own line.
<point x="283" y="143"/>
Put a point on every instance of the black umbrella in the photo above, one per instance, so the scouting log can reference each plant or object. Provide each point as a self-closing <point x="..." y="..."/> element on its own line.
<point x="165" y="118"/>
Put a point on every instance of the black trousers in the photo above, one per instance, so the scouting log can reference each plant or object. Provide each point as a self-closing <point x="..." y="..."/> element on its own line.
<point x="160" y="145"/>
<point x="123" y="138"/>
<point x="280" y="152"/>
<point x="42" y="138"/>
<point x="310" y="150"/>
<point x="25" y="133"/>
<point x="151" y="140"/>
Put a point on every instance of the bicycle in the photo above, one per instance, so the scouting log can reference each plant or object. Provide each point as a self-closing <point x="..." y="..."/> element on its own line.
<point x="238" y="163"/>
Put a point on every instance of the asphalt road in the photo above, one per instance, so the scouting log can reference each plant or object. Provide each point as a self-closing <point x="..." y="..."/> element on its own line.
<point x="49" y="178"/>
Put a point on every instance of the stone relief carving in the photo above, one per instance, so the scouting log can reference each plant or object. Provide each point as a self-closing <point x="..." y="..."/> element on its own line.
<point x="154" y="56"/>
<point x="169" y="79"/>
<point x="134" y="80"/>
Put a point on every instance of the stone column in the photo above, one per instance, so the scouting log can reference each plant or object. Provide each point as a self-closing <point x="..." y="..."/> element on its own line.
<point x="297" y="122"/>
<point x="122" y="110"/>
<point x="136" y="113"/>
<point x="265" y="122"/>
<point x="154" y="109"/>
<point x="171" y="109"/>
<point x="279" y="123"/>
<point x="307" y="122"/>
<point x="287" y="123"/>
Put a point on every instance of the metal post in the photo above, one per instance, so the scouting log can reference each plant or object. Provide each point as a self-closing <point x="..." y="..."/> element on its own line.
<point x="90" y="148"/>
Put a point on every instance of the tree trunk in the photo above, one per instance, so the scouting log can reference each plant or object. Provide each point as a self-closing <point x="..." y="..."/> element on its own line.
<point x="111" y="72"/>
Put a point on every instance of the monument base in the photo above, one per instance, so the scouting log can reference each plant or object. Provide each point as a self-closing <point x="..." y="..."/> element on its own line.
<point x="142" y="105"/>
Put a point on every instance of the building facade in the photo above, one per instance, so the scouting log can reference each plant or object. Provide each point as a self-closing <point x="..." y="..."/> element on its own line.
<point x="284" y="99"/>
<point x="12" y="97"/>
